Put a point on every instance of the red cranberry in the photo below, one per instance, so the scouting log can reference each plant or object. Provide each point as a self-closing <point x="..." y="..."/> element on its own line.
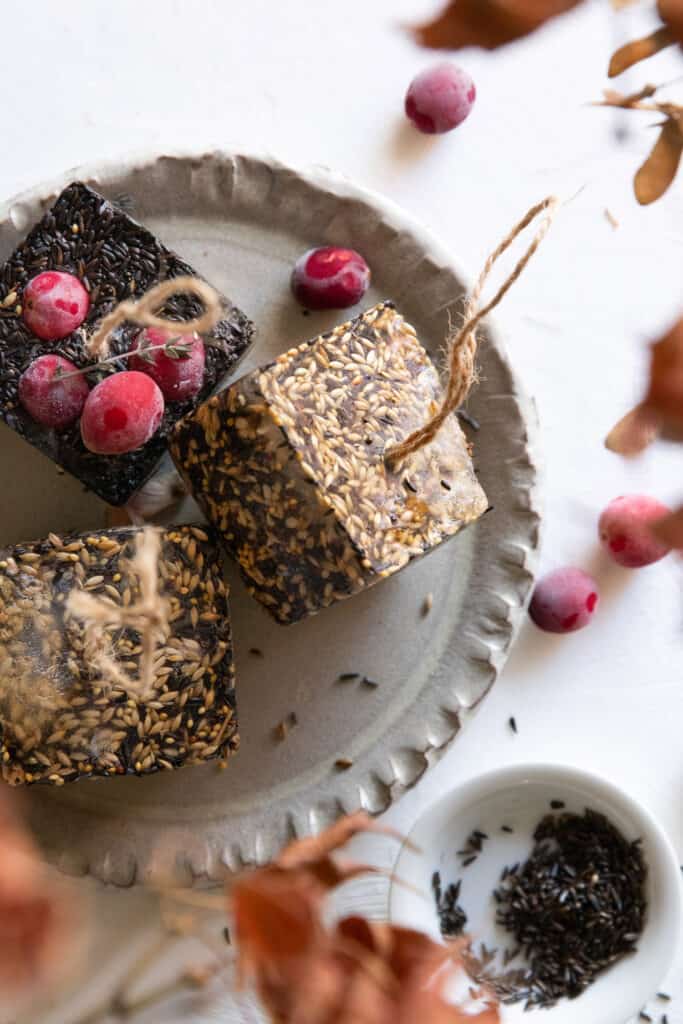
<point x="564" y="600"/>
<point x="47" y="399"/>
<point x="624" y="529"/>
<point x="440" y="98"/>
<point x="330" y="278"/>
<point x="54" y="305"/>
<point x="121" y="413"/>
<point x="179" y="376"/>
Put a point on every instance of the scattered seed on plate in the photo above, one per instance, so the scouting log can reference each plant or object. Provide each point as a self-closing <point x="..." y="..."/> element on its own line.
<point x="256" y="652"/>
<point x="343" y="763"/>
<point x="664" y="996"/>
<point x="513" y="724"/>
<point x="372" y="683"/>
<point x="506" y="828"/>
<point x="557" y="805"/>
<point x="427" y="605"/>
<point x="348" y="677"/>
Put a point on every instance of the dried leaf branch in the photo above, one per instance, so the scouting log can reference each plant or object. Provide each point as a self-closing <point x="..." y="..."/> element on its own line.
<point x="356" y="971"/>
<point x="488" y="23"/>
<point x="39" y="924"/>
<point x="659" y="169"/>
<point x="148" y="615"/>
<point x="659" y="414"/>
<point x="639" y="49"/>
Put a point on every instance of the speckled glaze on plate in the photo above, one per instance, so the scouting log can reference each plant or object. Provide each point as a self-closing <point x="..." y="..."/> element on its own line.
<point x="241" y="221"/>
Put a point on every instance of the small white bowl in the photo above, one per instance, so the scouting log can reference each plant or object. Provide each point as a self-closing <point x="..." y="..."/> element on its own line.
<point x="519" y="796"/>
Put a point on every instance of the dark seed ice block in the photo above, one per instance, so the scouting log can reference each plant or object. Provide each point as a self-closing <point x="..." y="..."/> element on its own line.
<point x="115" y="258"/>
<point x="288" y="464"/>
<point x="60" y="719"/>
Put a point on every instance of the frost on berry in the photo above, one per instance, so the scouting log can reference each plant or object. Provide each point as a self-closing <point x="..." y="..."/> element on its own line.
<point x="121" y="413"/>
<point x="175" y="361"/>
<point x="54" y="304"/>
<point x="53" y="391"/>
<point x="625" y="530"/>
<point x="440" y="98"/>
<point x="564" y="600"/>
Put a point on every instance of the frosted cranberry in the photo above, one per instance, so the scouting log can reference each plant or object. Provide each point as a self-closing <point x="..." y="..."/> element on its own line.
<point x="121" y="413"/>
<point x="564" y="600"/>
<point x="47" y="399"/>
<point x="54" y="305"/>
<point x="330" y="278"/>
<point x="624" y="529"/>
<point x="178" y="369"/>
<point x="440" y="98"/>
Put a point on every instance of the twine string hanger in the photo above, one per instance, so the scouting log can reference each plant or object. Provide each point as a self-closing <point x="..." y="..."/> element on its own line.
<point x="463" y="344"/>
<point x="142" y="312"/>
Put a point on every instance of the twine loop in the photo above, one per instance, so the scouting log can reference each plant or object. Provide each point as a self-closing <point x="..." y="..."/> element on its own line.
<point x="463" y="344"/>
<point x="142" y="311"/>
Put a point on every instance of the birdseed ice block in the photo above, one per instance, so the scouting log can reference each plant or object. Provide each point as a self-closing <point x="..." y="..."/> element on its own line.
<point x="64" y="711"/>
<point x="288" y="464"/>
<point x="102" y="256"/>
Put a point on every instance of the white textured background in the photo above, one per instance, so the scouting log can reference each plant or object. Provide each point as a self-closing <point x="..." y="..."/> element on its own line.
<point x="322" y="81"/>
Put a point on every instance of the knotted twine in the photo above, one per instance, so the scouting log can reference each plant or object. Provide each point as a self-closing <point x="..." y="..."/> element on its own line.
<point x="142" y="312"/>
<point x="463" y="345"/>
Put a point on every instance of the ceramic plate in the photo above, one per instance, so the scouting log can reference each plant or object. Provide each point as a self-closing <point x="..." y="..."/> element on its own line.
<point x="242" y="221"/>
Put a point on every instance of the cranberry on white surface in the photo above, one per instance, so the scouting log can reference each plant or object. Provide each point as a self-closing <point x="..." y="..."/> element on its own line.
<point x="564" y="600"/>
<point x="440" y="98"/>
<point x="624" y="529"/>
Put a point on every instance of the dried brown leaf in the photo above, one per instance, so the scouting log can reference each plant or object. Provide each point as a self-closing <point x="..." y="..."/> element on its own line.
<point x="313" y="852"/>
<point x="665" y="393"/>
<point x="612" y="98"/>
<point x="38" y="927"/>
<point x="634" y="432"/>
<point x="358" y="972"/>
<point x="670" y="529"/>
<point x="671" y="13"/>
<point x="639" y="49"/>
<point x="659" y="170"/>
<point x="488" y="23"/>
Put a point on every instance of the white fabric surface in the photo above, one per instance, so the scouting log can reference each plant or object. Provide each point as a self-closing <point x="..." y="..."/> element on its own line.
<point x="319" y="81"/>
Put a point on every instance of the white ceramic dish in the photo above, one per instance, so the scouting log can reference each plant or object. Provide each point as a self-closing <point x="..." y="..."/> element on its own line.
<point x="242" y="221"/>
<point x="519" y="796"/>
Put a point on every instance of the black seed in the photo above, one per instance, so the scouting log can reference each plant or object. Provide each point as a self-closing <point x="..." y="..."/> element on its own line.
<point x="347" y="677"/>
<point x="664" y="996"/>
<point x="575" y="906"/>
<point x="506" y="828"/>
<point x="372" y="683"/>
<point x="469" y="420"/>
<point x="644" y="1016"/>
<point x="557" y="805"/>
<point x="468" y="860"/>
<point x="513" y="724"/>
<point x="256" y="652"/>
